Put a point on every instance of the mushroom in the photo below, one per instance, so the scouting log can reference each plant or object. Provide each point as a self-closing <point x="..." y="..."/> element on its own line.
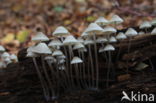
<point x="153" y="31"/>
<point x="80" y="47"/>
<point x="43" y="82"/>
<point x="94" y="29"/>
<point x="109" y="48"/>
<point x="70" y="41"/>
<point x="40" y="37"/>
<point x="14" y="58"/>
<point x="101" y="21"/>
<point x="116" y="20"/>
<point x="42" y="49"/>
<point x="121" y="36"/>
<point x="145" y="25"/>
<point x="75" y="61"/>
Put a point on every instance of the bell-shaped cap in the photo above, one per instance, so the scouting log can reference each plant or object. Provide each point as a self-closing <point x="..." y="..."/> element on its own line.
<point x="55" y="42"/>
<point x="57" y="53"/>
<point x="61" y="57"/>
<point x="31" y="54"/>
<point x="30" y="49"/>
<point x="7" y="60"/>
<point x="84" y="34"/>
<point x="42" y="48"/>
<point x="109" y="47"/>
<point x="141" y="33"/>
<point x="40" y="37"/>
<point x="76" y="60"/>
<point x="2" y="65"/>
<point x="60" y="31"/>
<point x="13" y="57"/>
<point x="82" y="50"/>
<point x="101" y="21"/>
<point x="109" y="30"/>
<point x="70" y="40"/>
<point x="153" y="31"/>
<point x="2" y="49"/>
<point x="145" y="24"/>
<point x="116" y="19"/>
<point x="50" y="59"/>
<point x="5" y="55"/>
<point x="94" y="28"/>
<point x="121" y="36"/>
<point x="131" y="32"/>
<point x="88" y="41"/>
<point x="78" y="46"/>
<point x="153" y="22"/>
<point x="112" y="39"/>
<point x="101" y="40"/>
<point x="101" y="49"/>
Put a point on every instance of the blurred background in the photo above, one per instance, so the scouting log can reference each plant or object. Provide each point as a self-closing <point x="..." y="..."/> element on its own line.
<point x="21" y="19"/>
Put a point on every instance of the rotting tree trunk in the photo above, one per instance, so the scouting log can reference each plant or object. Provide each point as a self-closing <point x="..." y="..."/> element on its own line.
<point x="19" y="82"/>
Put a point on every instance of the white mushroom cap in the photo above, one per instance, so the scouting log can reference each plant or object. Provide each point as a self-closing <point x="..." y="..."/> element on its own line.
<point x="76" y="60"/>
<point x="84" y="34"/>
<point x="30" y="49"/>
<point x="109" y="30"/>
<point x="120" y="36"/>
<point x="60" y="31"/>
<point x="145" y="24"/>
<point x="57" y="53"/>
<point x="88" y="41"/>
<point x="153" y="31"/>
<point x="2" y="65"/>
<point x="61" y="68"/>
<point x="141" y="33"/>
<point x="153" y="22"/>
<point x="5" y="55"/>
<point x="70" y="40"/>
<point x="116" y="19"/>
<point x="50" y="59"/>
<point x="94" y="28"/>
<point x="61" y="57"/>
<point x="101" y="49"/>
<point x="101" y="21"/>
<point x="78" y="46"/>
<point x="31" y="54"/>
<point x="131" y="32"/>
<point x="101" y="40"/>
<point x="83" y="50"/>
<point x="2" y="49"/>
<point x="14" y="57"/>
<point x="109" y="47"/>
<point x="55" y="42"/>
<point x="7" y="60"/>
<point x="40" y="37"/>
<point x="112" y="39"/>
<point x="42" y="48"/>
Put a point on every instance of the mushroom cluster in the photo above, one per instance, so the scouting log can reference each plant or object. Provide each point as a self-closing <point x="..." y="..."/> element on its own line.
<point x="6" y="58"/>
<point x="71" y="63"/>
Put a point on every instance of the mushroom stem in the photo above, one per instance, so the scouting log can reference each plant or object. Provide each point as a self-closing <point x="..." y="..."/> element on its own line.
<point x="81" y="71"/>
<point x="96" y="59"/>
<point x="84" y="71"/>
<point x="46" y="75"/>
<point x="43" y="83"/>
<point x="70" y="69"/>
<point x="91" y="76"/>
<point x="108" y="70"/>
<point x="77" y="75"/>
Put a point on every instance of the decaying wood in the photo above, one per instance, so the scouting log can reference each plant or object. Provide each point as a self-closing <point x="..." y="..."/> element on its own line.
<point x="19" y="82"/>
